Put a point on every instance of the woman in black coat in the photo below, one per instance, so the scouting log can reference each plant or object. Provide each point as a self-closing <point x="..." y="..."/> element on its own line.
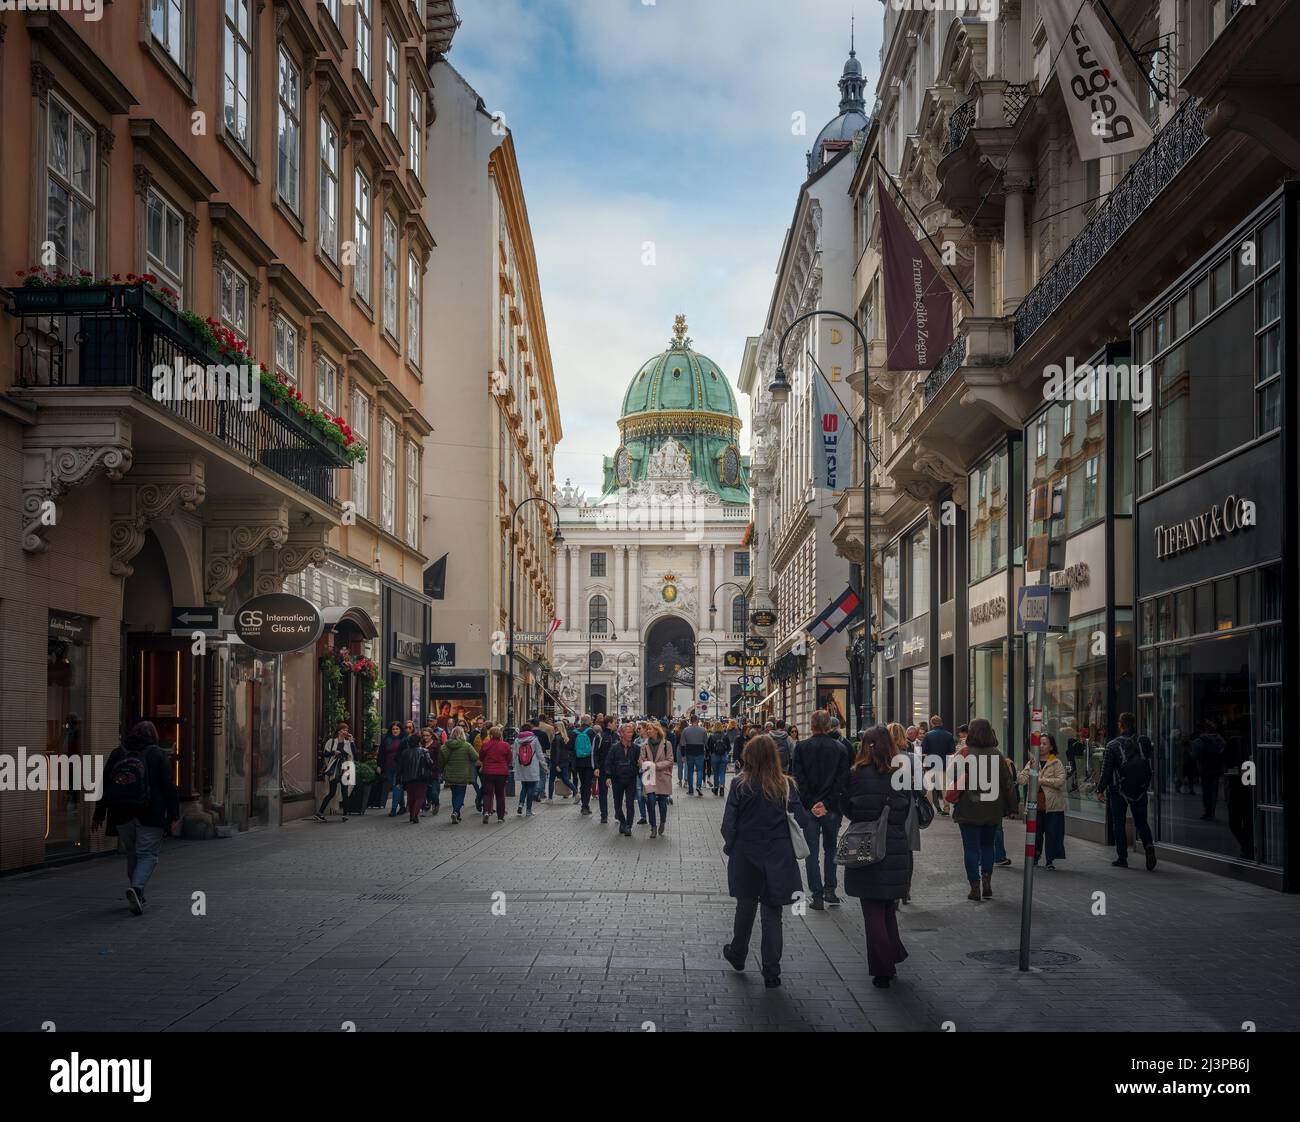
<point x="879" y="887"/>
<point x="761" y="868"/>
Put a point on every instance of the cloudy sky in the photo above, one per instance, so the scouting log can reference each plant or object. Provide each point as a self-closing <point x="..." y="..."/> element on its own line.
<point x="669" y="122"/>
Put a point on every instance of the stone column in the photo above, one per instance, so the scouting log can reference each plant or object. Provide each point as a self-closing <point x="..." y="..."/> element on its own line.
<point x="719" y="575"/>
<point x="634" y="590"/>
<point x="983" y="276"/>
<point x="1013" y="243"/>
<point x="575" y="588"/>
<point x="617" y="556"/>
<point x="706" y="587"/>
<point x="562" y="588"/>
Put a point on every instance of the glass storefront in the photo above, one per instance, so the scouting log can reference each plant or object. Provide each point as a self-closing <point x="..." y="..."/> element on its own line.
<point x="65" y="719"/>
<point x="988" y="688"/>
<point x="988" y="517"/>
<point x="916" y="695"/>
<point x="1210" y="685"/>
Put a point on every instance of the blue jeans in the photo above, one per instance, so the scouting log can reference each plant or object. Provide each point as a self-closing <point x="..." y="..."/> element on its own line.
<point x="681" y="769"/>
<point x="999" y="846"/>
<point x="695" y="773"/>
<point x="528" y="791"/>
<point x="640" y="798"/>
<point x="560" y="771"/>
<point x="657" y="801"/>
<point x="143" y="844"/>
<point x="825" y="829"/>
<point x="719" y="766"/>
<point x="399" y="795"/>
<point x="431" y="792"/>
<point x="457" y="797"/>
<point x="540" y="790"/>
<point x="977" y="843"/>
<point x="1119" y="805"/>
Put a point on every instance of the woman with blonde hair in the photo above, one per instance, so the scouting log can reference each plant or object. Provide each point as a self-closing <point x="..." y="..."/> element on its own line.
<point x="879" y="887"/>
<point x="656" y="763"/>
<point x="761" y="867"/>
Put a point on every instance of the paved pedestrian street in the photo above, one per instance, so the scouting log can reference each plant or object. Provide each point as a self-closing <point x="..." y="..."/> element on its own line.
<point x="557" y="922"/>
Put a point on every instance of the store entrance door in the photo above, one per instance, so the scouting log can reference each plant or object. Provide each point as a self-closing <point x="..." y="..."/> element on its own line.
<point x="161" y="689"/>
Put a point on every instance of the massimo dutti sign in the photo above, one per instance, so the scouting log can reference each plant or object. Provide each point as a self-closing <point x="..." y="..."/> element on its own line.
<point x="1223" y="519"/>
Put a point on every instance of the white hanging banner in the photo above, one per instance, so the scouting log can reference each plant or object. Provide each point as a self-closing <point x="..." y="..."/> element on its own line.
<point x="1104" y="114"/>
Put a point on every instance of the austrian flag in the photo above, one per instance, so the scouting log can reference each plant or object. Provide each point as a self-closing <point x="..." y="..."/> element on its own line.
<point x="835" y="615"/>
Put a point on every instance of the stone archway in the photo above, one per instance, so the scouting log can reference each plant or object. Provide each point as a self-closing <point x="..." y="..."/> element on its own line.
<point x="669" y="664"/>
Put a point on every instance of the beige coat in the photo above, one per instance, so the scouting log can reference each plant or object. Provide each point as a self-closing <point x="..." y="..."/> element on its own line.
<point x="1051" y="784"/>
<point x="663" y="759"/>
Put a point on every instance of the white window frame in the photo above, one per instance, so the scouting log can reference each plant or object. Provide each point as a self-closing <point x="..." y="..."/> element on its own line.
<point x="238" y="43"/>
<point x="413" y="493"/>
<point x="232" y="282"/>
<point x="362" y="204"/>
<point x="65" y="180"/>
<point x="288" y="349"/>
<point x="392" y="278"/>
<point x="414" y="307"/>
<point x="603" y="566"/>
<point x="332" y="6"/>
<point x="388" y="474"/>
<point x="415" y="115"/>
<point x="364" y="39"/>
<point x="158" y="263"/>
<point x="288" y="151"/>
<point x="360" y="422"/>
<point x="172" y="39"/>
<point x="392" y="81"/>
<point x="327" y="385"/>
<point x="328" y="187"/>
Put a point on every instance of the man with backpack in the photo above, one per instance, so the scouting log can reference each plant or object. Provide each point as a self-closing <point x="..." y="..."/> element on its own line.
<point x="784" y="745"/>
<point x="140" y="802"/>
<point x="600" y="752"/>
<point x="694" y="739"/>
<point x="583" y="755"/>
<point x="1125" y="779"/>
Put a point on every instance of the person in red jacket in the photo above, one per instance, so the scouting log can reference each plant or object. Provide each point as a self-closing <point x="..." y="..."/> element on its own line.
<point x="494" y="768"/>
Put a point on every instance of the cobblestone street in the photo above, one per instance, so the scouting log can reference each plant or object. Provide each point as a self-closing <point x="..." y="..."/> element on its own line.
<point x="312" y="926"/>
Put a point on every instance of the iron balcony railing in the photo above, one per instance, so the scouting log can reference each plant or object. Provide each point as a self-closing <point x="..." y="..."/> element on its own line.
<point x="952" y="358"/>
<point x="120" y="343"/>
<point x="1166" y="155"/>
<point x="1014" y="100"/>
<point x="960" y="123"/>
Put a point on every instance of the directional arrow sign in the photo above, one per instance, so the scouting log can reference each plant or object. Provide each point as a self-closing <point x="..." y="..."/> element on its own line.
<point x="205" y="618"/>
<point x="704" y="695"/>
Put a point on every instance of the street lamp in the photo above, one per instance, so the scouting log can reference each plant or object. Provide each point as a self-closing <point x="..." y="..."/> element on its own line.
<point x="591" y="623"/>
<point x="556" y="539"/>
<point x="716" y="673"/>
<point x="780" y="391"/>
<point x="744" y="646"/>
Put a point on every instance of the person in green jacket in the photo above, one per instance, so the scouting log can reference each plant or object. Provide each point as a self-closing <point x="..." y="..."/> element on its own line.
<point x="459" y="759"/>
<point x="977" y="812"/>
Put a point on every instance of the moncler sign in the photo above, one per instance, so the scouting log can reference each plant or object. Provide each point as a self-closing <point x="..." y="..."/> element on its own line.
<point x="1220" y="521"/>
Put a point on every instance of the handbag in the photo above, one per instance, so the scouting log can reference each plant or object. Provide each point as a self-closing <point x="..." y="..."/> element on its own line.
<point x="863" y="843"/>
<point x="953" y="794"/>
<point x="797" y="838"/>
<point x="924" y="812"/>
<point x="648" y="772"/>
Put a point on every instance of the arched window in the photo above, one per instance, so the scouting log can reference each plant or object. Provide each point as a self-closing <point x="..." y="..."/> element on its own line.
<point x="739" y="610"/>
<point x="598" y="615"/>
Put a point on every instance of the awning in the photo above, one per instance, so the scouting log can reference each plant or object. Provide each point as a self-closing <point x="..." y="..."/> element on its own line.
<point x="358" y="617"/>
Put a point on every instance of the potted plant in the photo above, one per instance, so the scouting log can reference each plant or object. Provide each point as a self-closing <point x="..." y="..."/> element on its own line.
<point x="357" y="798"/>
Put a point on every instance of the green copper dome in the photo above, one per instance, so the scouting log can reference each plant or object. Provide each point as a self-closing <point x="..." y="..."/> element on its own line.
<point x="682" y="396"/>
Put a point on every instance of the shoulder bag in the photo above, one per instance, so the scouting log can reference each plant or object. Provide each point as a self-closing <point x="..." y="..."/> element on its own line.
<point x="864" y="843"/>
<point x="924" y="811"/>
<point x="797" y="838"/>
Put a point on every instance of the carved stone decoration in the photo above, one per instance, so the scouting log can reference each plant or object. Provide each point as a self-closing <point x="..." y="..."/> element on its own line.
<point x="305" y="546"/>
<point x="42" y="79"/>
<point x="142" y="180"/>
<point x="669" y="461"/>
<point x="156" y="488"/>
<point x="64" y="452"/>
<point x="236" y="532"/>
<point x="191" y="229"/>
<point x="104" y="138"/>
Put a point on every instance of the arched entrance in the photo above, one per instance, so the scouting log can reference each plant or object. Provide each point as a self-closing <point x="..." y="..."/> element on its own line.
<point x="669" y="667"/>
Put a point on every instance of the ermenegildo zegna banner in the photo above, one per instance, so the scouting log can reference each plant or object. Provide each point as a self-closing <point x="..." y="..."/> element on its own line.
<point x="918" y="303"/>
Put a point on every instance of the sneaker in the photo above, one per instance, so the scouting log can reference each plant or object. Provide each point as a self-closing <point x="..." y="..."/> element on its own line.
<point x="663" y="828"/>
<point x="345" y="818"/>
<point x="485" y="819"/>
<point x="737" y="963"/>
<point x="391" y="814"/>
<point x="817" y="904"/>
<point x="642" y="822"/>
<point x="1120" y="864"/>
<point x="586" y="810"/>
<point x="699" y="794"/>
<point x="653" y="832"/>
<point x="434" y="812"/>
<point x="519" y="809"/>
<point x="318" y="818"/>
<point x="1004" y="861"/>
<point x="830" y="897"/>
<point x="604" y="821"/>
<point x="772" y="983"/>
<point x="135" y="901"/>
<point x="529" y="814"/>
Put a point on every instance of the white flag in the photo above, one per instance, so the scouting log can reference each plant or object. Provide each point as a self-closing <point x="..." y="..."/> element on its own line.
<point x="1103" y="112"/>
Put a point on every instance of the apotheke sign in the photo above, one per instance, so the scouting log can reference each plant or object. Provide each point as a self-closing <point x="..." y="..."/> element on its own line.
<point x="1221" y="520"/>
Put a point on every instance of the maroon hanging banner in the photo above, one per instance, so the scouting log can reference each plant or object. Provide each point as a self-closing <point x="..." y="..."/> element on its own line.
<point x="918" y="303"/>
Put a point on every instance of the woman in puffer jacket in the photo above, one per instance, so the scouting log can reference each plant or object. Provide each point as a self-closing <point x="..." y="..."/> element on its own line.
<point x="1051" y="803"/>
<point x="879" y="887"/>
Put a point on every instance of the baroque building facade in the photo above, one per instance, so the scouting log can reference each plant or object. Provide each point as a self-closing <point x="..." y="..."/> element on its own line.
<point x="652" y="573"/>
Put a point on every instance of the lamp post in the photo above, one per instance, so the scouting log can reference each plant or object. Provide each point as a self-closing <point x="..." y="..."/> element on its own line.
<point x="556" y="539"/>
<point x="780" y="391"/>
<point x="591" y="623"/>
<point x="713" y="607"/>
<point x="716" y="673"/>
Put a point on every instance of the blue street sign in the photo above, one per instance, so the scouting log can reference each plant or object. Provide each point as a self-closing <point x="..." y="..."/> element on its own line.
<point x="704" y="695"/>
<point x="1032" y="607"/>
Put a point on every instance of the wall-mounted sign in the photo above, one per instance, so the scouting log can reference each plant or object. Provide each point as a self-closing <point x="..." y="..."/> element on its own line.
<point x="763" y="618"/>
<point x="441" y="655"/>
<point x="756" y="643"/>
<point x="988" y="610"/>
<point x="278" y="623"/>
<point x="1072" y="577"/>
<point x="1220" y="521"/>
<point x="407" y="647"/>
<point x="456" y="684"/>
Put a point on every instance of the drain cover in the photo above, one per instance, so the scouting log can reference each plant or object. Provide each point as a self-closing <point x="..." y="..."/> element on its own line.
<point x="1012" y="957"/>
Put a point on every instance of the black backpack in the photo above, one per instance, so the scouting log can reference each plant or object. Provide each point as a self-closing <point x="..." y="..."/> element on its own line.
<point x="1134" y="769"/>
<point x="127" y="784"/>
